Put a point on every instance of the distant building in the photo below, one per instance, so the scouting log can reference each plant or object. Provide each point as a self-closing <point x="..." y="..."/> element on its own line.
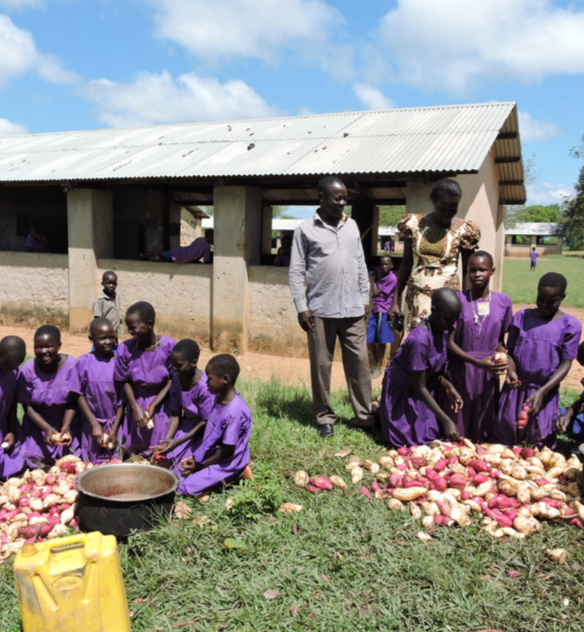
<point x="546" y="237"/>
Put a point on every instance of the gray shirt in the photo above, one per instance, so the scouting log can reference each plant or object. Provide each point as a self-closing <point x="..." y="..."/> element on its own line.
<point x="110" y="308"/>
<point x="332" y="263"/>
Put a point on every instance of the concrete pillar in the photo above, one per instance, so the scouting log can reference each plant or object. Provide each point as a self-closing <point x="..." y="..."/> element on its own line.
<point x="366" y="214"/>
<point x="533" y="241"/>
<point x="499" y="251"/>
<point x="267" y="230"/>
<point x="238" y="244"/>
<point x="174" y="225"/>
<point x="90" y="221"/>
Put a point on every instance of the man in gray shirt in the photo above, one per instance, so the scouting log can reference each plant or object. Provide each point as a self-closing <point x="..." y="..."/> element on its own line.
<point x="328" y="256"/>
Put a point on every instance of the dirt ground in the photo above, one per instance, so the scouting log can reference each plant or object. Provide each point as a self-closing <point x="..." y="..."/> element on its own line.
<point x="263" y="367"/>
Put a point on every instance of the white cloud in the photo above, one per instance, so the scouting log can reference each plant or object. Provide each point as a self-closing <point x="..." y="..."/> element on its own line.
<point x="452" y="44"/>
<point x="533" y="131"/>
<point x="261" y="29"/>
<point x="20" y="4"/>
<point x="7" y="128"/>
<point x="18" y="54"/>
<point x="158" y="98"/>
<point x="372" y="98"/>
<point x="545" y="193"/>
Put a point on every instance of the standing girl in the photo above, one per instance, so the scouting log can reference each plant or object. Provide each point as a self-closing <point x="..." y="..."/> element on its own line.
<point x="433" y="244"/>
<point x="542" y="344"/>
<point x="480" y="331"/>
<point x="409" y="412"/>
<point x="142" y="370"/>
<point x="190" y="403"/>
<point x="49" y="429"/>
<point x="99" y="400"/>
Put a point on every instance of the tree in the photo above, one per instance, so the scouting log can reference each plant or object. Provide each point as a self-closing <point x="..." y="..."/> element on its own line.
<point x="390" y="215"/>
<point x="536" y="213"/>
<point x="574" y="208"/>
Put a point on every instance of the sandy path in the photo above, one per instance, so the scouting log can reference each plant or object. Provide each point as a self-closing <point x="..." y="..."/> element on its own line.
<point x="263" y="367"/>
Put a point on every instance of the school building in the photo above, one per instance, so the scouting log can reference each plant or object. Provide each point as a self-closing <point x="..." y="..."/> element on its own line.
<point x="546" y="237"/>
<point x="102" y="197"/>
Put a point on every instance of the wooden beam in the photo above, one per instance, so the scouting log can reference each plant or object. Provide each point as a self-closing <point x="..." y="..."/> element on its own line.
<point x="507" y="135"/>
<point x="511" y="183"/>
<point x="503" y="160"/>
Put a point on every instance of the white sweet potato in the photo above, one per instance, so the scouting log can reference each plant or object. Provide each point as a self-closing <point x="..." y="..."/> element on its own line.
<point x="415" y="511"/>
<point x="301" y="478"/>
<point x="337" y="481"/>
<point x="356" y="475"/>
<point x="409" y="493"/>
<point x="394" y="503"/>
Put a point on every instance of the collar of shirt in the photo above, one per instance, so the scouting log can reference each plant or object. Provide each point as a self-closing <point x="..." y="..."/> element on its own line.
<point x="318" y="219"/>
<point x="107" y="298"/>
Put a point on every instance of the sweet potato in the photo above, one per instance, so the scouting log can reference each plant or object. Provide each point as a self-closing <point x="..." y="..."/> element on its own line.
<point x="337" y="481"/>
<point x="322" y="482"/>
<point x="411" y="493"/>
<point x="356" y="475"/>
<point x="394" y="503"/>
<point x="301" y="478"/>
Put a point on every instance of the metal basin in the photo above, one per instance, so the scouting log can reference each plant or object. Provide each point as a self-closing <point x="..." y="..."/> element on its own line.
<point x="120" y="497"/>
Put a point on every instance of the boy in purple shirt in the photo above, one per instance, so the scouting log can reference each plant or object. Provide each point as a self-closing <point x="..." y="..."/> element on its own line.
<point x="223" y="454"/>
<point x="533" y="255"/>
<point x="12" y="354"/>
<point x="378" y="332"/>
<point x="198" y="249"/>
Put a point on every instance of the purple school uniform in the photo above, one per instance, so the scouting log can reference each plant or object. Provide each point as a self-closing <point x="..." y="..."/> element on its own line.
<point x="478" y="388"/>
<point x="405" y="419"/>
<point x="147" y="372"/>
<point x="94" y="379"/>
<point x="48" y="394"/>
<point x="194" y="406"/>
<point x="227" y="425"/>
<point x="533" y="255"/>
<point x="200" y="247"/>
<point x="538" y="347"/>
<point x="11" y="462"/>
<point x="386" y="285"/>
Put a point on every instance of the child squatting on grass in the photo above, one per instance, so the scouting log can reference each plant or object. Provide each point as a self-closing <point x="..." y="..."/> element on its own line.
<point x="409" y="412"/>
<point x="571" y="420"/>
<point x="542" y="344"/>
<point x="223" y="454"/>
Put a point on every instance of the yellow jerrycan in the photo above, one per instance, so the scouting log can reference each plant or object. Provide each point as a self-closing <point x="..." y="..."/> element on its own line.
<point x="73" y="583"/>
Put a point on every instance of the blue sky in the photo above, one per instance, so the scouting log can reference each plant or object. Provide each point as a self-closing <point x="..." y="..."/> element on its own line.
<point x="85" y="64"/>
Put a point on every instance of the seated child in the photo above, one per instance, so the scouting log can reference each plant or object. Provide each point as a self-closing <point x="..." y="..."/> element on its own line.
<point x="408" y="410"/>
<point x="223" y="455"/>
<point x="190" y="403"/>
<point x="378" y="332"/>
<point x="108" y="303"/>
<point x="99" y="400"/>
<point x="143" y="371"/>
<point x="571" y="419"/>
<point x="480" y="332"/>
<point x="12" y="354"/>
<point x="542" y="344"/>
<point x="50" y="408"/>
<point x="283" y="255"/>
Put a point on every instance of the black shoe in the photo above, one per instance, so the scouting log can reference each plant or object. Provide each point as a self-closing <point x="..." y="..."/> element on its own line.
<point x="326" y="430"/>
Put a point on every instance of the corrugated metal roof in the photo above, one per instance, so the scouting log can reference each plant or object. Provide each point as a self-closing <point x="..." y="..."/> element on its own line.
<point x="537" y="228"/>
<point x="402" y="141"/>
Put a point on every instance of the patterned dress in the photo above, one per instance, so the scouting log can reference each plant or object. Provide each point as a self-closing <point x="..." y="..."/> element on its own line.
<point x="435" y="262"/>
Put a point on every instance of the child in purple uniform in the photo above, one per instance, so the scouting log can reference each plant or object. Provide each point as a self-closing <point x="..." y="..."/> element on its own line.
<point x="408" y="411"/>
<point x="12" y="354"/>
<point x="98" y="398"/>
<point x="44" y="389"/>
<point x="378" y="332"/>
<point x="223" y="454"/>
<point x="480" y="332"/>
<point x="542" y="344"/>
<point x="533" y="255"/>
<point x="190" y="404"/>
<point x="142" y="371"/>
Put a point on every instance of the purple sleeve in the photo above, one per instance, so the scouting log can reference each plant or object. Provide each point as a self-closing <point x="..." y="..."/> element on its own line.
<point x="571" y="340"/>
<point x="233" y="428"/>
<point x="205" y="402"/>
<point x="122" y="367"/>
<point x="508" y="316"/>
<point x="514" y="331"/>
<point x="170" y="344"/>
<point x="175" y="396"/>
<point x="23" y="389"/>
<point x="418" y="352"/>
<point x="78" y="378"/>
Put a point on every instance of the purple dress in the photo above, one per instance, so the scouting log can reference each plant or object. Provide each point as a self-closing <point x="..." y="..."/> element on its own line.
<point x="227" y="425"/>
<point x="94" y="379"/>
<point x="12" y="462"/>
<point x="147" y="372"/>
<point x="538" y="347"/>
<point x="478" y="388"/>
<point x="48" y="394"/>
<point x="195" y="406"/>
<point x="386" y="285"/>
<point x="200" y="247"/>
<point x="405" y="419"/>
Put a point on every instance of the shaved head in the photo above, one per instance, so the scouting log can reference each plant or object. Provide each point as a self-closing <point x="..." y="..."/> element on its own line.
<point x="446" y="300"/>
<point x="99" y="324"/>
<point x="13" y="350"/>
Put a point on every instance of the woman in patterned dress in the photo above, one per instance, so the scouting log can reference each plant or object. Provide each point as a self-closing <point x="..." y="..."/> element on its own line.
<point x="432" y="246"/>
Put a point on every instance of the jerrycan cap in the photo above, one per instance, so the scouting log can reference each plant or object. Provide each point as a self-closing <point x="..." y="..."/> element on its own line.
<point x="28" y="550"/>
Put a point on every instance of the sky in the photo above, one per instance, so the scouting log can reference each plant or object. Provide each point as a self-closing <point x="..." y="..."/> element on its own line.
<point x="88" y="64"/>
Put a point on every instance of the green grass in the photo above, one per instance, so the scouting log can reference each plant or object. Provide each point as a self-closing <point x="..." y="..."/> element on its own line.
<point x="521" y="284"/>
<point x="344" y="563"/>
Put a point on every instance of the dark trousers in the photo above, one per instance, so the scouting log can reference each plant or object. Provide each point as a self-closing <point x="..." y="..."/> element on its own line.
<point x="352" y="335"/>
